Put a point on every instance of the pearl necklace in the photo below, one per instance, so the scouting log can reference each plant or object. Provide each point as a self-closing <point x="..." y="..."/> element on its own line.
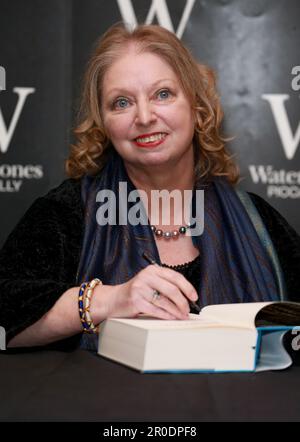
<point x="159" y="233"/>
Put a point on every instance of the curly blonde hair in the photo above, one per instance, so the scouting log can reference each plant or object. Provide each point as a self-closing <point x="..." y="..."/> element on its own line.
<point x="89" y="154"/>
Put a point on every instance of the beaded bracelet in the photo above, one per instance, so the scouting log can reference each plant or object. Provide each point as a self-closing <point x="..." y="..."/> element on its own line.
<point x="84" y="301"/>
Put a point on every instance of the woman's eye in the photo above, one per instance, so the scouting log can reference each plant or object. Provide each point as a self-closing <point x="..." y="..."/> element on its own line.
<point x="121" y="103"/>
<point x="164" y="94"/>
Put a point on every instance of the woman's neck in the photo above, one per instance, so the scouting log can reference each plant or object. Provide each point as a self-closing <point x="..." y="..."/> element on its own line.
<point x="173" y="179"/>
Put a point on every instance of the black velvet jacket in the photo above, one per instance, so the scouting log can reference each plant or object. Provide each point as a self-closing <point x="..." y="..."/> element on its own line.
<point x="39" y="260"/>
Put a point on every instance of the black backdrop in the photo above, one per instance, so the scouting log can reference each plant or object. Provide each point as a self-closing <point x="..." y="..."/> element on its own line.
<point x="253" y="46"/>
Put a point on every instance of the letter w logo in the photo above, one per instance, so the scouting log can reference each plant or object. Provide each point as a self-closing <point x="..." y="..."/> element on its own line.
<point x="289" y="141"/>
<point x="159" y="9"/>
<point x="7" y="133"/>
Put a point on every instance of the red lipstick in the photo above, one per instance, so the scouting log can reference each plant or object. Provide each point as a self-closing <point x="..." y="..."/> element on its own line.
<point x="149" y="143"/>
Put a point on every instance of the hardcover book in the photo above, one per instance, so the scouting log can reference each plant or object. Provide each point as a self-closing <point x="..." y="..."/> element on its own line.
<point x="225" y="337"/>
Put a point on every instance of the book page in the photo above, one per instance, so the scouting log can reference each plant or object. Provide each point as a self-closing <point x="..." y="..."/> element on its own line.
<point x="238" y="315"/>
<point x="279" y="313"/>
<point x="147" y="322"/>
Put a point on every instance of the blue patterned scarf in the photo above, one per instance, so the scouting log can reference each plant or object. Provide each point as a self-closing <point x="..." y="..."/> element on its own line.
<point x="235" y="266"/>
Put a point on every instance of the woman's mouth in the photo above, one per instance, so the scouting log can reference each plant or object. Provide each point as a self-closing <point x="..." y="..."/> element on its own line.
<point x="150" y="140"/>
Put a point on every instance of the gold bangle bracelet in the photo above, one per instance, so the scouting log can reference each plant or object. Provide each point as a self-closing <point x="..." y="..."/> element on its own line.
<point x="86" y="319"/>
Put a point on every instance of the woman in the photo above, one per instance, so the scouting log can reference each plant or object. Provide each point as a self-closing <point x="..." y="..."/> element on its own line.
<point x="150" y="119"/>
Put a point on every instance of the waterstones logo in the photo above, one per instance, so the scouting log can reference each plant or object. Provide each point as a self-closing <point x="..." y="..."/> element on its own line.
<point x="7" y="132"/>
<point x="280" y="183"/>
<point x="289" y="141"/>
<point x="12" y="175"/>
<point x="159" y="10"/>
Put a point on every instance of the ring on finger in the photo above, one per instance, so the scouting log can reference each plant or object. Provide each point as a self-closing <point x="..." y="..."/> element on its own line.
<point x="155" y="296"/>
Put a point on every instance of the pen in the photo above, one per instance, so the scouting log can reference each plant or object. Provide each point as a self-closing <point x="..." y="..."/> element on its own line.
<point x="152" y="261"/>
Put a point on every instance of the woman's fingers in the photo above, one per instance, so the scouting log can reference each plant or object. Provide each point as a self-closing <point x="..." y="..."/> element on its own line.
<point x="164" y="303"/>
<point x="173" y="286"/>
<point x="180" y="281"/>
<point x="170" y="296"/>
<point x="138" y="295"/>
<point x="156" y="311"/>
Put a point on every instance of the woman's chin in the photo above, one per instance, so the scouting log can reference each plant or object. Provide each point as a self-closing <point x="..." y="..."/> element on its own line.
<point x="156" y="160"/>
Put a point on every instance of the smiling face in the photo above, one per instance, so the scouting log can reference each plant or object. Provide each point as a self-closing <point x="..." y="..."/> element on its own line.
<point x="146" y="114"/>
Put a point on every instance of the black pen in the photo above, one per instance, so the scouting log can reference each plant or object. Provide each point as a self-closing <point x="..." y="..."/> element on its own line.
<point x="152" y="261"/>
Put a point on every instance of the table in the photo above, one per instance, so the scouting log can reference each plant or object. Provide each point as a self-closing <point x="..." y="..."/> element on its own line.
<point x="51" y="385"/>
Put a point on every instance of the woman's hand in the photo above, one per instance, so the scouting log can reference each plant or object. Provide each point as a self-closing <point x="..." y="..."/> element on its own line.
<point x="136" y="295"/>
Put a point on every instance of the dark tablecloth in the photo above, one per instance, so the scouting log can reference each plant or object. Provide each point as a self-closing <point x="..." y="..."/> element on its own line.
<point x="49" y="385"/>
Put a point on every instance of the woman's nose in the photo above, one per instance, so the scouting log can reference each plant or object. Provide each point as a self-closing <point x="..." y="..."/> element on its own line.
<point x="144" y="113"/>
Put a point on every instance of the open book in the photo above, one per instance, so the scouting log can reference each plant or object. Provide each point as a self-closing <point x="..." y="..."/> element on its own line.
<point x="223" y="337"/>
